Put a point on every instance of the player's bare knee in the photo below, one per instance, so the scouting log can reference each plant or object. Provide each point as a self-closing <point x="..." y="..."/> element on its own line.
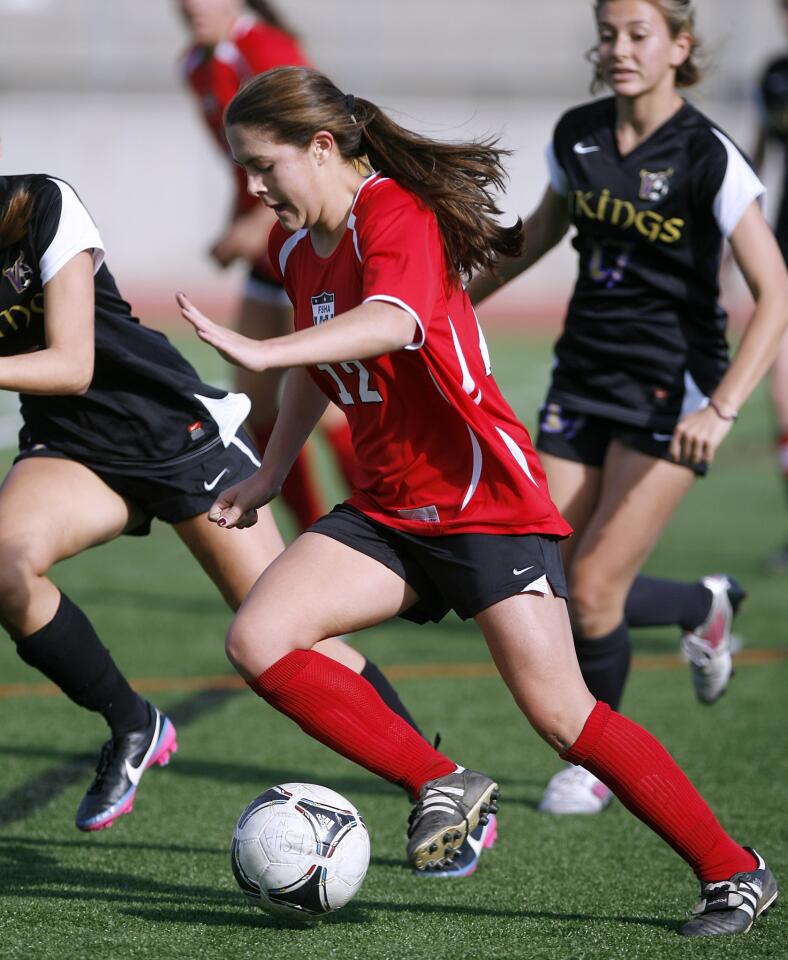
<point x="18" y="570"/>
<point x="558" y="727"/>
<point x="241" y="645"/>
<point x="592" y="601"/>
<point x="254" y="644"/>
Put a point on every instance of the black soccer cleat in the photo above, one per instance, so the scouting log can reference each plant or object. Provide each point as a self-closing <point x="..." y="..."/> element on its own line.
<point x="467" y="858"/>
<point x="447" y="810"/>
<point x="732" y="906"/>
<point x="121" y="764"/>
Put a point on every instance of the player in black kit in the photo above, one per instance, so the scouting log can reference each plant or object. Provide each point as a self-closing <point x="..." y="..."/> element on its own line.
<point x="118" y="430"/>
<point x="773" y="97"/>
<point x="642" y="392"/>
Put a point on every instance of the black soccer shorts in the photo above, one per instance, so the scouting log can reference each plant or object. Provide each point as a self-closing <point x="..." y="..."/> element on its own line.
<point x="464" y="572"/>
<point x="177" y="492"/>
<point x="584" y="438"/>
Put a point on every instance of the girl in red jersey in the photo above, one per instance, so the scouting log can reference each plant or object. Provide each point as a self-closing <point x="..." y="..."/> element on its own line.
<point x="451" y="509"/>
<point x="642" y="391"/>
<point x="233" y="41"/>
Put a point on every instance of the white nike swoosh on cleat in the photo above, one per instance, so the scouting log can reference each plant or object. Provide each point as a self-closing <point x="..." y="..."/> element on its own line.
<point x="135" y="773"/>
<point x="580" y="147"/>
<point x="517" y="572"/>
<point x="212" y="484"/>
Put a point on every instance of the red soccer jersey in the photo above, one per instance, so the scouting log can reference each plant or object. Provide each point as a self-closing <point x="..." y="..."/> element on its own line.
<point x="215" y="76"/>
<point x="438" y="449"/>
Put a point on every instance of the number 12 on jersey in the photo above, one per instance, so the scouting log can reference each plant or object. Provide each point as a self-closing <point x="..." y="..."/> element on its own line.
<point x="365" y="393"/>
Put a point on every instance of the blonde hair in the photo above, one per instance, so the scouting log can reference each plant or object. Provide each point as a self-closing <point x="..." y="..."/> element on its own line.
<point x="679" y="15"/>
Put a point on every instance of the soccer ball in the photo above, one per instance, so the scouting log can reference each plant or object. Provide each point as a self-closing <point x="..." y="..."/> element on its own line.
<point x="300" y="850"/>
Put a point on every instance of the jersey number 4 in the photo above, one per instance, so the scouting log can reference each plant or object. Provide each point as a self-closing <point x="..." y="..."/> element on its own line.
<point x="365" y="393"/>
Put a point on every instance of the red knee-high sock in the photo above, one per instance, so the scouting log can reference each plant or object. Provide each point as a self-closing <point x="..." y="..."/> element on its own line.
<point x="299" y="491"/>
<point x="342" y="710"/>
<point x="649" y="782"/>
<point x="338" y="438"/>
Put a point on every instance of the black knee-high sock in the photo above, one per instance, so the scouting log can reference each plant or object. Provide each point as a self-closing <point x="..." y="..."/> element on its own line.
<point x="654" y="602"/>
<point x="69" y="653"/>
<point x="387" y="693"/>
<point x="604" y="663"/>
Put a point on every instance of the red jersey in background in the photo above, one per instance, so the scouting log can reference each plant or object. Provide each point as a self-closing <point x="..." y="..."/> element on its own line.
<point x="216" y="74"/>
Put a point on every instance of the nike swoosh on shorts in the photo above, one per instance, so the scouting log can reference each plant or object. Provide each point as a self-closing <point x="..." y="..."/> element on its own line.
<point x="212" y="484"/>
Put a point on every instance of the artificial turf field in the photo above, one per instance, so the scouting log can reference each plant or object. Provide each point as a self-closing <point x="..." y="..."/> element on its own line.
<point x="158" y="884"/>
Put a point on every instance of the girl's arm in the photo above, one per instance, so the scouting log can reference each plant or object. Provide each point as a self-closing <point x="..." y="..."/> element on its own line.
<point x="65" y="365"/>
<point x="543" y="229"/>
<point x="369" y="330"/>
<point x="303" y="403"/>
<point x="755" y="250"/>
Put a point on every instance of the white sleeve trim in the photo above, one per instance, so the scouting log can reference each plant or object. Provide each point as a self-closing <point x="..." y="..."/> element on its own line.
<point x="416" y="345"/>
<point x="75" y="232"/>
<point x="287" y="248"/>
<point x="558" y="178"/>
<point x="740" y="186"/>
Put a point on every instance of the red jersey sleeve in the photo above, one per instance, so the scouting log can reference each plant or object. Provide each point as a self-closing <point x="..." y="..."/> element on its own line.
<point x="401" y="252"/>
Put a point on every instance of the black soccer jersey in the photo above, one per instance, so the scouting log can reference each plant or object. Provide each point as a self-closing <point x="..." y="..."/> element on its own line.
<point x="146" y="408"/>
<point x="774" y="102"/>
<point x="644" y="339"/>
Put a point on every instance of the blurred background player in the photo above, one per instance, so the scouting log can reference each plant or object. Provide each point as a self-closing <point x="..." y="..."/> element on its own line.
<point x="773" y="98"/>
<point x="117" y="430"/>
<point x="642" y="393"/>
<point x="232" y="41"/>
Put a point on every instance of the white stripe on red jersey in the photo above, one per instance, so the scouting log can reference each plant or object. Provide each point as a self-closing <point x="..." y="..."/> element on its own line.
<point x="438" y="449"/>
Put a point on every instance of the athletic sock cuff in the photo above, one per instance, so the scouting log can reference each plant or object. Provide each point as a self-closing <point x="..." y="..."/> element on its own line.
<point x="592" y="730"/>
<point x="281" y="672"/>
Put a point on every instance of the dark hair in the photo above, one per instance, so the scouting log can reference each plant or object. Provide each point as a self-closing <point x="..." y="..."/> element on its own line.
<point x="455" y="180"/>
<point x="15" y="214"/>
<point x="266" y="11"/>
<point x="679" y="15"/>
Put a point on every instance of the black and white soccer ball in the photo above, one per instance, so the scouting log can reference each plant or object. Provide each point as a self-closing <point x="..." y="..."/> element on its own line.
<point x="300" y="850"/>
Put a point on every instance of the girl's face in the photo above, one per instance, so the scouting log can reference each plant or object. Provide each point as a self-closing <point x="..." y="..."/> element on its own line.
<point x="290" y="180"/>
<point x="636" y="52"/>
<point x="209" y="21"/>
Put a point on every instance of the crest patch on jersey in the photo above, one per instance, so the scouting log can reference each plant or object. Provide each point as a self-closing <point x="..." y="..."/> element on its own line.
<point x="654" y="186"/>
<point x="322" y="307"/>
<point x="19" y="274"/>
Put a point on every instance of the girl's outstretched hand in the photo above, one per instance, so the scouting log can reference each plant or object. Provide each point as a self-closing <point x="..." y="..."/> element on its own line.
<point x="237" y="505"/>
<point x="235" y="348"/>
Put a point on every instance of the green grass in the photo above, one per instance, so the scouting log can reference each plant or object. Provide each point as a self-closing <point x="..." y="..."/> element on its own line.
<point x="158" y="884"/>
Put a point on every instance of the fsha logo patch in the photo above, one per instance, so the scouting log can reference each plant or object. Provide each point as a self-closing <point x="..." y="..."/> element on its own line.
<point x="322" y="307"/>
<point x="654" y="186"/>
<point x="19" y="274"/>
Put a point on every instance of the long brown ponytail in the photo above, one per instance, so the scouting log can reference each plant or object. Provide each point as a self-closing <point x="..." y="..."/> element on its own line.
<point x="455" y="180"/>
<point x="15" y="214"/>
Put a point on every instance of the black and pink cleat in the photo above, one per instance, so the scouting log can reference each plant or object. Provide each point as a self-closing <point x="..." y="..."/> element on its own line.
<point x="121" y="764"/>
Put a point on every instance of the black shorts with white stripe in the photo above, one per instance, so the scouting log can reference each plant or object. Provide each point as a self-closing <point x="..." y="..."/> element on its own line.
<point x="174" y="491"/>
<point x="464" y="572"/>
